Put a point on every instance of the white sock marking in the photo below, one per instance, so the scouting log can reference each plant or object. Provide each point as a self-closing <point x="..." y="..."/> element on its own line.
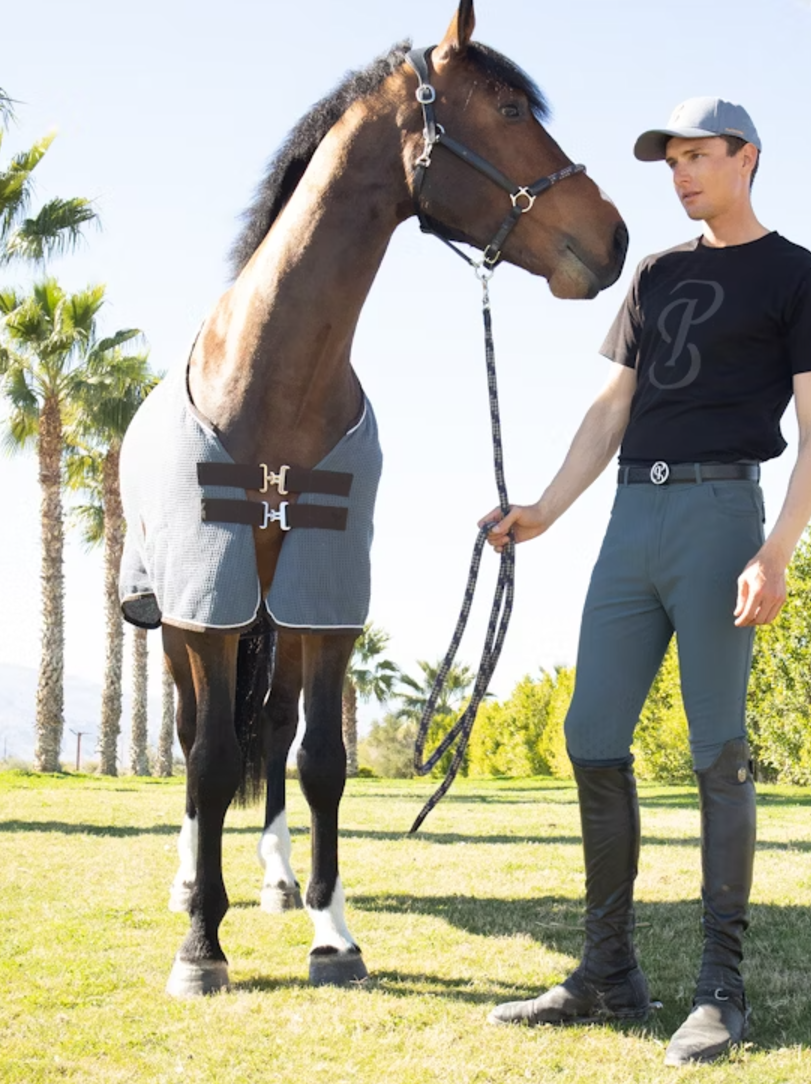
<point x="274" y="851"/>
<point x="187" y="843"/>
<point x="330" y="925"/>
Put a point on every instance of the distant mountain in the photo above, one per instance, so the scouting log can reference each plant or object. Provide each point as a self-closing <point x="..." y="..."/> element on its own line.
<point x="18" y="687"/>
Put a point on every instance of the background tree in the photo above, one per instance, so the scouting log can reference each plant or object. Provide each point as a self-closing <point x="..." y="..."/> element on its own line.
<point x="661" y="741"/>
<point x="779" y="715"/>
<point x="414" y="694"/>
<point x="367" y="676"/>
<point x="507" y="737"/>
<point x="552" y="745"/>
<point x="388" y="748"/>
<point x="58" y="224"/>
<point x="166" y="738"/>
<point x="112" y="386"/>
<point x="139" y="759"/>
<point x="46" y="336"/>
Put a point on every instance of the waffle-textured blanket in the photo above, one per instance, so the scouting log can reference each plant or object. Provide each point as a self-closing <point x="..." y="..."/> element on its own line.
<point x="182" y="571"/>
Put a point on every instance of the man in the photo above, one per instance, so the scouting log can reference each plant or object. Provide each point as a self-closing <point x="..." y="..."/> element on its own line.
<point x="712" y="340"/>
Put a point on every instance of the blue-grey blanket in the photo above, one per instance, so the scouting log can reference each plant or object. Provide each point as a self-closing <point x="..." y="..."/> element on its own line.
<point x="197" y="575"/>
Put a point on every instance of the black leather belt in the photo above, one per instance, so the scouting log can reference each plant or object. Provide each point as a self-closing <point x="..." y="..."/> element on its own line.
<point x="661" y="473"/>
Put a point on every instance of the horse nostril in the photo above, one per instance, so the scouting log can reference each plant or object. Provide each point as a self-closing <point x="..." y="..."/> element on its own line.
<point x="621" y="242"/>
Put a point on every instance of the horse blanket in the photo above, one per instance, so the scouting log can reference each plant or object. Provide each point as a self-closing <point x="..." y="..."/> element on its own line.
<point x="183" y="571"/>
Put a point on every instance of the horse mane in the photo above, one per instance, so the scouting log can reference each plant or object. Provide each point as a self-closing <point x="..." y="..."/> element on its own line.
<point x="286" y="168"/>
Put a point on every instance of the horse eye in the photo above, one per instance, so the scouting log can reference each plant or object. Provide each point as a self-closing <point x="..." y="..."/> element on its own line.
<point x="511" y="111"/>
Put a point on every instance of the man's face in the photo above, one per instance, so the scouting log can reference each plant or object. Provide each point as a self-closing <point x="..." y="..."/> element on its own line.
<point x="708" y="180"/>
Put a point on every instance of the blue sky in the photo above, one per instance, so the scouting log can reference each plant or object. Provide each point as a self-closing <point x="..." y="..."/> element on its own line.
<point x="166" y="113"/>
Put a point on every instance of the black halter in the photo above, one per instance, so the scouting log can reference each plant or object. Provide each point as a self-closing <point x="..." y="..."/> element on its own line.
<point x="522" y="197"/>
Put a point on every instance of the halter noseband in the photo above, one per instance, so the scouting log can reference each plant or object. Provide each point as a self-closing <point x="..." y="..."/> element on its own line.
<point x="522" y="197"/>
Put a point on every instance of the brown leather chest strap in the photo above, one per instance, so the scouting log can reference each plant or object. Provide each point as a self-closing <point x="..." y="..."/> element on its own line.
<point x="288" y="516"/>
<point x="288" y="480"/>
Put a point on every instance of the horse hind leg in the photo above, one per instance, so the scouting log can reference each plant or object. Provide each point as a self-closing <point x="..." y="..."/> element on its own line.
<point x="214" y="773"/>
<point x="335" y="956"/>
<point x="280" y="889"/>
<point x="185" y="719"/>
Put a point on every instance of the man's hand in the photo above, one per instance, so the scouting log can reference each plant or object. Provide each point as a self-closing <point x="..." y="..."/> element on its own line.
<point x="761" y="590"/>
<point x="524" y="521"/>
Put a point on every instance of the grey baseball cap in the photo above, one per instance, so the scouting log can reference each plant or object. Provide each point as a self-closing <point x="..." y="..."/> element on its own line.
<point x="697" y="118"/>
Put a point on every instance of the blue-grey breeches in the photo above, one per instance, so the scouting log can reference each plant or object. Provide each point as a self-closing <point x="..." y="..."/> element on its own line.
<point x="670" y="561"/>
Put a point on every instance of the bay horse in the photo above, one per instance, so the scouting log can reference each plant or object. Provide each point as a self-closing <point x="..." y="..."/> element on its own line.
<point x="270" y="374"/>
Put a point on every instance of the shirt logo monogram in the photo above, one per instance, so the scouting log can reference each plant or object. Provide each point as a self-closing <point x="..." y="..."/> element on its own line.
<point x="688" y="319"/>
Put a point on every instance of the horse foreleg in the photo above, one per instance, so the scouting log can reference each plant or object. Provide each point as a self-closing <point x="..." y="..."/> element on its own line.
<point x="214" y="768"/>
<point x="280" y="889"/>
<point x="335" y="956"/>
<point x="186" y="721"/>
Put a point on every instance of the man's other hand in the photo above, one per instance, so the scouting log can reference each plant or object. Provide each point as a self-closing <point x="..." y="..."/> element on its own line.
<point x="761" y="590"/>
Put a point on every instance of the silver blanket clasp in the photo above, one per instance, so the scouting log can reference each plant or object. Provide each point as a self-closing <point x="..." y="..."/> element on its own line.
<point x="270" y="479"/>
<point x="273" y="516"/>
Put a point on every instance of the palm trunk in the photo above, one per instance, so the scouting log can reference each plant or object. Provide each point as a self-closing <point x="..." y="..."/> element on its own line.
<point x="50" y="703"/>
<point x="167" y="734"/>
<point x="113" y="548"/>
<point x="350" y="726"/>
<point x="139" y="763"/>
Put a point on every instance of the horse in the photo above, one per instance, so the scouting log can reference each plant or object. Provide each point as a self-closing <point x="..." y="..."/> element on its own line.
<point x="270" y="386"/>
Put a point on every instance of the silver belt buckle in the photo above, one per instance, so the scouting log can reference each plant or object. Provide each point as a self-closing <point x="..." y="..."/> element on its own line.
<point x="659" y="473"/>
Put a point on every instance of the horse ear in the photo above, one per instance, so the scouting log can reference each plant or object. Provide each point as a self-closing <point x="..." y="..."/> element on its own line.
<point x="457" y="35"/>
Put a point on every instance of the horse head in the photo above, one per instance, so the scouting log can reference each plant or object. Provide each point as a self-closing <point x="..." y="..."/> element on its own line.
<point x="572" y="234"/>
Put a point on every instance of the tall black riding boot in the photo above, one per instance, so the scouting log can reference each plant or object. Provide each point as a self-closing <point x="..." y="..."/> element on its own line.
<point x="719" y="1016"/>
<point x="608" y="984"/>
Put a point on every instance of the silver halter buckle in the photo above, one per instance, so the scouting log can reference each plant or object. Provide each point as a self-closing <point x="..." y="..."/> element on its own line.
<point x="425" y="94"/>
<point x="272" y="516"/>
<point x="659" y="473"/>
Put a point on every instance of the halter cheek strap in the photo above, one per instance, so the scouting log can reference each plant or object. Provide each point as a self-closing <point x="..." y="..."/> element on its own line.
<point x="522" y="197"/>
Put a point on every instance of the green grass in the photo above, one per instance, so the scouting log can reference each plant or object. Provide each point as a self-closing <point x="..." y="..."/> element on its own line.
<point x="483" y="906"/>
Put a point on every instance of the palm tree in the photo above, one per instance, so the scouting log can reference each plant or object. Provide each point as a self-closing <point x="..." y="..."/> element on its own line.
<point x="416" y="693"/>
<point x="367" y="676"/>
<point x="167" y="731"/>
<point x="139" y="762"/>
<point x="107" y="394"/>
<point x="57" y="226"/>
<point x="45" y="337"/>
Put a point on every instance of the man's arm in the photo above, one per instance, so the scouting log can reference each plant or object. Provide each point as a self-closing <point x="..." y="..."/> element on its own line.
<point x="594" y="446"/>
<point x="762" y="584"/>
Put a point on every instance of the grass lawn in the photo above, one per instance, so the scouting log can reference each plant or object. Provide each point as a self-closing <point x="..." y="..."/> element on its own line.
<point x="482" y="906"/>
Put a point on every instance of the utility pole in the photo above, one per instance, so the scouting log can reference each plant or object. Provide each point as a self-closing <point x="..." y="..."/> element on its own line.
<point x="79" y="734"/>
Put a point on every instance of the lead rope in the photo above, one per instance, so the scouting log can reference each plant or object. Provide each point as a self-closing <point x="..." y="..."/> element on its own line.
<point x="502" y="606"/>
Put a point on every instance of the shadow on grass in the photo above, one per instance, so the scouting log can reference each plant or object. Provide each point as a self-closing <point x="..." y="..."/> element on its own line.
<point x="669" y="944"/>
<point x="401" y="984"/>
<point x="69" y="828"/>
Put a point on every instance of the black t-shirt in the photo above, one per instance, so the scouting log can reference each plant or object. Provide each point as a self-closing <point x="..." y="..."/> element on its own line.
<point x="715" y="335"/>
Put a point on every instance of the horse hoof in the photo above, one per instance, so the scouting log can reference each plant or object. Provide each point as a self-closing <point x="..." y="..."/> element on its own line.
<point x="195" y="980"/>
<point x="337" y="969"/>
<point x="180" y="896"/>
<point x="277" y="900"/>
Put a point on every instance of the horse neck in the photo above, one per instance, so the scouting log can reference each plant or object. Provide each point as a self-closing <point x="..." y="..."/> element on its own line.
<point x="275" y="354"/>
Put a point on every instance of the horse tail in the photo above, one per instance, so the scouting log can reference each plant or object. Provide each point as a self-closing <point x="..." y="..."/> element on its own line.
<point x="254" y="672"/>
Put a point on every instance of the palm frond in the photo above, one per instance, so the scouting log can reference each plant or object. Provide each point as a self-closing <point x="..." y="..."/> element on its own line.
<point x="89" y="520"/>
<point x="6" y="109"/>
<point x="9" y="301"/>
<point x="54" y="231"/>
<point x="23" y="421"/>
<point x="84" y="469"/>
<point x="104" y="346"/>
